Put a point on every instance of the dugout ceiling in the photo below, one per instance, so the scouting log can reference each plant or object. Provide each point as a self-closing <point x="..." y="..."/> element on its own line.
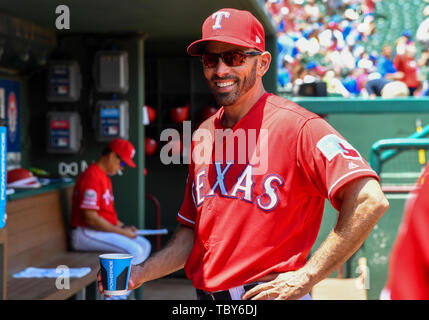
<point x="159" y="19"/>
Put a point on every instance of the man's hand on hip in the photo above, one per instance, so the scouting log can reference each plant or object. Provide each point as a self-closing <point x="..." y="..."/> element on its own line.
<point x="283" y="286"/>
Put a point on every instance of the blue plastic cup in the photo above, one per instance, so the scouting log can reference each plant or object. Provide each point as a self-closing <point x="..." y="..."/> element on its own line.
<point x="115" y="272"/>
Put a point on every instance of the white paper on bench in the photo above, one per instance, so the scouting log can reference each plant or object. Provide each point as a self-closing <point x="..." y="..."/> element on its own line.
<point x="149" y="232"/>
<point x="52" y="272"/>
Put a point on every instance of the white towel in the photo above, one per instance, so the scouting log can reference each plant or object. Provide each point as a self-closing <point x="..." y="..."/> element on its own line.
<point x="52" y="272"/>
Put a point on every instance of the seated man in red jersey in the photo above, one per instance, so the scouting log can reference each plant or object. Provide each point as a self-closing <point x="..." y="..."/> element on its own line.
<point x="95" y="224"/>
<point x="247" y="224"/>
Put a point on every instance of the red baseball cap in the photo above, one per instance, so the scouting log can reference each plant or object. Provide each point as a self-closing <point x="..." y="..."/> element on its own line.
<point x="124" y="149"/>
<point x="230" y="26"/>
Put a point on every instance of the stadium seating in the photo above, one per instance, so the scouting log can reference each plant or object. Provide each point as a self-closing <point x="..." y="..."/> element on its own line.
<point x="392" y="18"/>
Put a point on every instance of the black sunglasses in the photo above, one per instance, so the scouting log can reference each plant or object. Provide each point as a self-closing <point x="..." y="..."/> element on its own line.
<point x="230" y="58"/>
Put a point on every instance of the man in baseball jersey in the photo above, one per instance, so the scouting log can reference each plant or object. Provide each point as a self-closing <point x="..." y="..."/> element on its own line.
<point x="408" y="277"/>
<point x="95" y="223"/>
<point x="249" y="218"/>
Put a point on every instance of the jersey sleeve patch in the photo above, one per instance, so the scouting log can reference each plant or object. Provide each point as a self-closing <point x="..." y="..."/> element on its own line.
<point x="331" y="145"/>
<point x="89" y="200"/>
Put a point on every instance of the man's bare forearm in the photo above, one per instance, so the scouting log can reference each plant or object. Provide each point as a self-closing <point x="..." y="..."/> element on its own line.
<point x="169" y="259"/>
<point x="97" y="222"/>
<point x="356" y="220"/>
<point x="363" y="203"/>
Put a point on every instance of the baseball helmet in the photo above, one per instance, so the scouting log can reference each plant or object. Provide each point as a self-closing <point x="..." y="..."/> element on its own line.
<point x="150" y="146"/>
<point x="21" y="178"/>
<point x="180" y="114"/>
<point x="207" y="112"/>
<point x="151" y="113"/>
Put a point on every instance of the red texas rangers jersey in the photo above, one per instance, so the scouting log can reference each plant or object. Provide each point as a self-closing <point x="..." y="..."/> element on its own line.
<point x="252" y="218"/>
<point x="93" y="190"/>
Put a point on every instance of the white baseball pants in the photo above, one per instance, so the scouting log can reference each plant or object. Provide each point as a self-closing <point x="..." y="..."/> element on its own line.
<point x="86" y="239"/>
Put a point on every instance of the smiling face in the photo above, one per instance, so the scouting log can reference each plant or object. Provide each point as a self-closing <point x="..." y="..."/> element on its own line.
<point x="230" y="85"/>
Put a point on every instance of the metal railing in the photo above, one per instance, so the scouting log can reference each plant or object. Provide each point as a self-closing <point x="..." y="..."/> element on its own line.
<point x="385" y="149"/>
<point x="393" y="147"/>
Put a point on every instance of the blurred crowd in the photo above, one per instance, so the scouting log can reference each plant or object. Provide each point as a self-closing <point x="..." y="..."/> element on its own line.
<point x="322" y="40"/>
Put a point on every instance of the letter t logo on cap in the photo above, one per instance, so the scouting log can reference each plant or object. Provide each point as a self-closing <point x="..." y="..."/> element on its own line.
<point x="218" y="16"/>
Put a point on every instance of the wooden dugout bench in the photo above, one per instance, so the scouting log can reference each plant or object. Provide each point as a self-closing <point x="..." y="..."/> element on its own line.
<point x="38" y="236"/>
